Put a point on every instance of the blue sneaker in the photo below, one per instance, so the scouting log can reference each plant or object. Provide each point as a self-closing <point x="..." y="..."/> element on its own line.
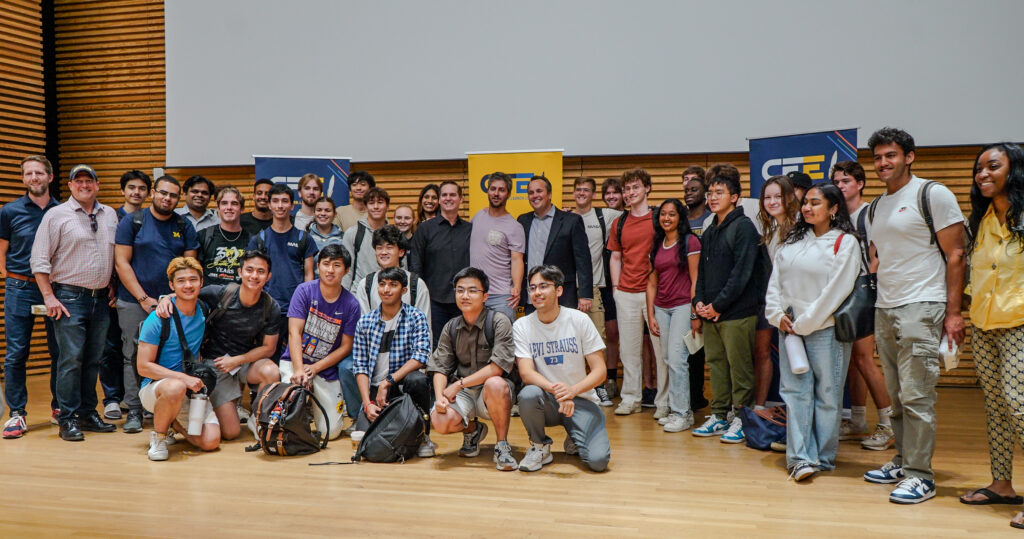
<point x="890" y="473"/>
<point x="734" y="434"/>
<point x="913" y="490"/>
<point x="712" y="427"/>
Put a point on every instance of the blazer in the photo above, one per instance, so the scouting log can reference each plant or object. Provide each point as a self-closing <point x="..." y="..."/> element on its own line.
<point x="568" y="249"/>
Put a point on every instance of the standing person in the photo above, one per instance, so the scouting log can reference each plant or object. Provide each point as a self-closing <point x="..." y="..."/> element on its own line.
<point x="221" y="246"/>
<point x="440" y="248"/>
<point x="73" y="260"/>
<point x="864" y="374"/>
<point x="695" y="198"/>
<point x="198" y="191"/>
<point x="19" y="221"/>
<point x="260" y="216"/>
<point x="731" y="281"/>
<point x="611" y="194"/>
<point x="550" y="234"/>
<point x="311" y="188"/>
<point x="405" y="220"/>
<point x="135" y="188"/>
<point x="359" y="182"/>
<point x="496" y="246"/>
<point x="429" y="200"/>
<point x="555" y="347"/>
<point x="920" y="287"/>
<point x="596" y="222"/>
<point x="675" y="255"/>
<point x="630" y="240"/>
<point x="801" y="183"/>
<point x="359" y="239"/>
<point x="146" y="242"/>
<point x="322" y="228"/>
<point x="815" y="270"/>
<point x="997" y="311"/>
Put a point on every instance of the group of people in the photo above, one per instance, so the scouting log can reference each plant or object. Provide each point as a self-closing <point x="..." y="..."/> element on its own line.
<point x="362" y="310"/>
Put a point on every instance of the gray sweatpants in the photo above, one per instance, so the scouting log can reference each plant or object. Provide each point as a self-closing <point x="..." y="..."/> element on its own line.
<point x="539" y="409"/>
<point x="129" y="316"/>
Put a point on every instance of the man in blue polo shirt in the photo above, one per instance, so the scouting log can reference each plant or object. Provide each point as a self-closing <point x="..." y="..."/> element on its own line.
<point x="141" y="254"/>
<point x="19" y="221"/>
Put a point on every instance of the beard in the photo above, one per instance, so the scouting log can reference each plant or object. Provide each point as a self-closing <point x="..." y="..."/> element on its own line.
<point x="162" y="211"/>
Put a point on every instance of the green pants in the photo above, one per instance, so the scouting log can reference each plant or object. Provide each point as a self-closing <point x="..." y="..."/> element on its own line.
<point x="728" y="349"/>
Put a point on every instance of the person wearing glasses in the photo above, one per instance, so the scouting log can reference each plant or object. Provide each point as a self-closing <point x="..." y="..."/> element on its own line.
<point x="73" y="260"/>
<point x="198" y="192"/>
<point x="146" y="242"/>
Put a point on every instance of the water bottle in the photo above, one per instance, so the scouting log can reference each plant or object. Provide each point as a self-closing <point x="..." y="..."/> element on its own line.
<point x="950" y="358"/>
<point x="197" y="413"/>
<point x="796" y="353"/>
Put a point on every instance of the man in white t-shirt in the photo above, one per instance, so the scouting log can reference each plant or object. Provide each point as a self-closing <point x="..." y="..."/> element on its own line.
<point x="554" y="347"/>
<point x="920" y="287"/>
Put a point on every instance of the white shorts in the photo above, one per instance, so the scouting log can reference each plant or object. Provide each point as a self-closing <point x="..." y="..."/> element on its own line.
<point x="148" y="397"/>
<point x="328" y="394"/>
<point x="469" y="402"/>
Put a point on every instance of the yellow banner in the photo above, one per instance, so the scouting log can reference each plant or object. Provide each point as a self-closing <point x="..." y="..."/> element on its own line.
<point x="521" y="166"/>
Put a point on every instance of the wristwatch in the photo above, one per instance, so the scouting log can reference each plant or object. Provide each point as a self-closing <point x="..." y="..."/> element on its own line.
<point x="390" y="380"/>
<point x="693" y="316"/>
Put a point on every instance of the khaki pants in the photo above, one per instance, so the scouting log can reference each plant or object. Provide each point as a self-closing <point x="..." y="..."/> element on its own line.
<point x="596" y="314"/>
<point x="729" y="349"/>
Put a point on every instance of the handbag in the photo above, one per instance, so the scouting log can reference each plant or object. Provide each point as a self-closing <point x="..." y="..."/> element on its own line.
<point x="761" y="429"/>
<point x="855" y="317"/>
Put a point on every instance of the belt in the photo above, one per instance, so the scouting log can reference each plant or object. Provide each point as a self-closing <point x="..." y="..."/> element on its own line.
<point x="94" y="292"/>
<point x="21" y="277"/>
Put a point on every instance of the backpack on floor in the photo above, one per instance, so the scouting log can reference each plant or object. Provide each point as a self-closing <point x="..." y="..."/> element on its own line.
<point x="284" y="421"/>
<point x="761" y="431"/>
<point x="395" y="435"/>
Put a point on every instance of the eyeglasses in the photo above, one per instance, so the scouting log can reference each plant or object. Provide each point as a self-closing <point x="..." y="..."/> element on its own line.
<point x="167" y="194"/>
<point x="470" y="291"/>
<point x="541" y="287"/>
<point x="92" y="222"/>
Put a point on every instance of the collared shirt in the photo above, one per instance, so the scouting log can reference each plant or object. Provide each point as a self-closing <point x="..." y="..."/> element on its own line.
<point x="19" y="220"/>
<point x="470" y="351"/>
<point x="997" y="277"/>
<point x="208" y="219"/>
<point x="411" y="340"/>
<point x="68" y="249"/>
<point x="439" y="250"/>
<point x="540" y="229"/>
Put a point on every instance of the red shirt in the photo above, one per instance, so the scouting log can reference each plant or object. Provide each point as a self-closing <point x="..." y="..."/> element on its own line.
<point x="674" y="283"/>
<point x="637" y="240"/>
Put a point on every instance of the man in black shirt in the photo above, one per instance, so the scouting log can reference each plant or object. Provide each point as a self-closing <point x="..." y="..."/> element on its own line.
<point x="440" y="248"/>
<point x="221" y="246"/>
<point x="260" y="217"/>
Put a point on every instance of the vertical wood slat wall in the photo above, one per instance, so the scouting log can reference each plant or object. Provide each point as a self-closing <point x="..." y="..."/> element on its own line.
<point x="22" y="120"/>
<point x="111" y="105"/>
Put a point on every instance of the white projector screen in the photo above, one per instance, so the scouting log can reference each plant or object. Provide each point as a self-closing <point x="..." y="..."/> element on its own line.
<point x="406" y="79"/>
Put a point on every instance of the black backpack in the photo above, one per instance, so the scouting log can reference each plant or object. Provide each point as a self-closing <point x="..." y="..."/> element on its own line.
<point x="413" y="285"/>
<point x="138" y="217"/>
<point x="395" y="435"/>
<point x="284" y="421"/>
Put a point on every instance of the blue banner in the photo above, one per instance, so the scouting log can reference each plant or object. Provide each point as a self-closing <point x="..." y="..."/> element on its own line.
<point x="333" y="172"/>
<point x="810" y="153"/>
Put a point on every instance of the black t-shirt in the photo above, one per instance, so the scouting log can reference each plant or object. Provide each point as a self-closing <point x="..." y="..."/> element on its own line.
<point x="240" y="328"/>
<point x="253" y="225"/>
<point x="220" y="253"/>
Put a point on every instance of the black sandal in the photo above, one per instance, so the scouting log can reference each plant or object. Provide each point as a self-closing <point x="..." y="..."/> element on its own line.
<point x="991" y="498"/>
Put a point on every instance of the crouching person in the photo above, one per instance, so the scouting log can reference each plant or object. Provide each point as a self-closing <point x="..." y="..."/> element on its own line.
<point x="554" y="346"/>
<point x="164" y="385"/>
<point x="471" y="371"/>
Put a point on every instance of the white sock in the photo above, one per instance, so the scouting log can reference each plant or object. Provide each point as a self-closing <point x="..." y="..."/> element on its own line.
<point x="883" y="416"/>
<point x="846" y="413"/>
<point x="859" y="415"/>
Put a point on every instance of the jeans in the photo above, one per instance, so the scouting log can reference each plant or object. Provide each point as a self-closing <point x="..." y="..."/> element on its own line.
<point x="674" y="323"/>
<point x="440" y="314"/>
<point x="129" y="316"/>
<point x="112" y="366"/>
<point x="416" y="384"/>
<point x="19" y="298"/>
<point x="81" y="337"/>
<point x="349" y="387"/>
<point x="632" y="314"/>
<point x="499" y="302"/>
<point x="814" y="400"/>
<point x="539" y="409"/>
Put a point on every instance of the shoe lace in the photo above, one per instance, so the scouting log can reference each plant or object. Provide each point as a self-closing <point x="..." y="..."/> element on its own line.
<point x="735" y="426"/>
<point x="910" y="483"/>
<point x="709" y="420"/>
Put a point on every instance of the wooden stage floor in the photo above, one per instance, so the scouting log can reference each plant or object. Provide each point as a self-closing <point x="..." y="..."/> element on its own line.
<point x="658" y="485"/>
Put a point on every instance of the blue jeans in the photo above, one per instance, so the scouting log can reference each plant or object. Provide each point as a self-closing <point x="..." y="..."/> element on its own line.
<point x="112" y="366"/>
<point x="499" y="302"/>
<point x="349" y="387"/>
<point x="18" y="321"/>
<point x="674" y="323"/>
<point x="814" y="400"/>
<point x="82" y="337"/>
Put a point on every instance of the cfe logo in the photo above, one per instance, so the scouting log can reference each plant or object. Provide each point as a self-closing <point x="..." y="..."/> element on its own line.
<point x="808" y="164"/>
<point x="521" y="182"/>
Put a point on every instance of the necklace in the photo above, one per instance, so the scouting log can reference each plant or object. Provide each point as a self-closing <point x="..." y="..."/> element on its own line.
<point x="227" y="239"/>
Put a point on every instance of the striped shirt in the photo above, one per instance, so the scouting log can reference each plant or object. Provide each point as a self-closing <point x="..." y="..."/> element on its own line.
<point x="69" y="251"/>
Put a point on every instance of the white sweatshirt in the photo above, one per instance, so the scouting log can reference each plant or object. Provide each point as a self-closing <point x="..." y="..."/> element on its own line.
<point x="813" y="279"/>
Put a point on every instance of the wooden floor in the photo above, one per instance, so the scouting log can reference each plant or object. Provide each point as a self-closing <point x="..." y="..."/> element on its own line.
<point x="658" y="485"/>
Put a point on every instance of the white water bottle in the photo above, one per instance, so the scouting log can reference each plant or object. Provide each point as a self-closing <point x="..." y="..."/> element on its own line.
<point x="796" y="353"/>
<point x="197" y="413"/>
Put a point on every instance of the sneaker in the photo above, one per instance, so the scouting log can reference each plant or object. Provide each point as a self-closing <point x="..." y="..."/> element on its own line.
<point x="612" y="387"/>
<point x="647" y="397"/>
<point x="661" y="413"/>
<point x="15" y="426"/>
<point x="602" y="396"/>
<point x="678" y="422"/>
<point x="801" y="471"/>
<point x="54" y="413"/>
<point x="427" y="449"/>
<point x="471" y="441"/>
<point x="147" y="415"/>
<point x="112" y="411"/>
<point x="882" y="439"/>
<point x="848" y="430"/>
<point x="243" y="414"/>
<point x="157" y="446"/>
<point x="569" y="445"/>
<point x="626" y="408"/>
<point x="515" y="410"/>
<point x="503" y="459"/>
<point x="734" y="434"/>
<point x="712" y="427"/>
<point x="536" y="457"/>
<point x="890" y="473"/>
<point x="778" y="447"/>
<point x="171" y="440"/>
<point x="133" y="423"/>
<point x="913" y="490"/>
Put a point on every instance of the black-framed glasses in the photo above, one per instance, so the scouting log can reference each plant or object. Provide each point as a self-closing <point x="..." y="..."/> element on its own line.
<point x="92" y="222"/>
<point x="167" y="194"/>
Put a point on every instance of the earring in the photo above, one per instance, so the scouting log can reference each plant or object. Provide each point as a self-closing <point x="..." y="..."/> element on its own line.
<point x="833" y="217"/>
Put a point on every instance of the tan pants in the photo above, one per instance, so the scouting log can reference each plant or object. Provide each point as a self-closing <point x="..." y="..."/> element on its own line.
<point x="596" y="314"/>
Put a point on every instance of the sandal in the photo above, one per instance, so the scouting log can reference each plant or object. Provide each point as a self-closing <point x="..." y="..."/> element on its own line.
<point x="991" y="498"/>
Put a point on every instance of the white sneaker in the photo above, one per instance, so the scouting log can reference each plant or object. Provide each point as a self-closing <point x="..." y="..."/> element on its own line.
<point x="734" y="434"/>
<point x="243" y="414"/>
<point x="661" y="413"/>
<point x="536" y="457"/>
<point x="427" y="448"/>
<point x="112" y="411"/>
<point x="157" y="446"/>
<point x="678" y="422"/>
<point x="627" y="408"/>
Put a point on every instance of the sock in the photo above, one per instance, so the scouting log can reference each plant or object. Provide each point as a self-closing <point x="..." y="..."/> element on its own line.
<point x="612" y="373"/>
<point x="859" y="415"/>
<point x="846" y="413"/>
<point x="883" y="416"/>
<point x="758" y="407"/>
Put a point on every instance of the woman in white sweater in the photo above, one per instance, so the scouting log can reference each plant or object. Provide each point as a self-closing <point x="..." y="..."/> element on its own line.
<point x="814" y="271"/>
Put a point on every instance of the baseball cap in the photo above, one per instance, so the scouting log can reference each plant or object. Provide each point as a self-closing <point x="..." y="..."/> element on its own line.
<point x="82" y="168"/>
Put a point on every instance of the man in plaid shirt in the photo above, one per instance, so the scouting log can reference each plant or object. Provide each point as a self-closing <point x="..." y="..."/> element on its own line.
<point x="392" y="343"/>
